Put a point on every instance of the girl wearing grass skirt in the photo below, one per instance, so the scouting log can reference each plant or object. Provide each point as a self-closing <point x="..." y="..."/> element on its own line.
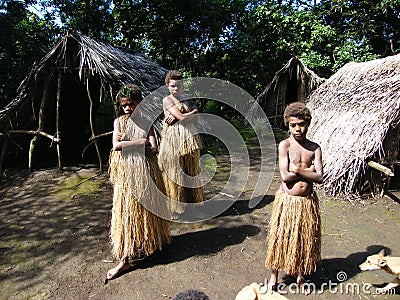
<point x="179" y="156"/>
<point x="135" y="232"/>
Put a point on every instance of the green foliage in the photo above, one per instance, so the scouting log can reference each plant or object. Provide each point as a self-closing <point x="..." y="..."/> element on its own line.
<point x="243" y="41"/>
<point x="183" y="35"/>
<point x="349" y="51"/>
<point x="24" y="38"/>
<point x="90" y="17"/>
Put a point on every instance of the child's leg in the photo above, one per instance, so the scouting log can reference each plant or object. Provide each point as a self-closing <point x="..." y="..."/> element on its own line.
<point x="273" y="280"/>
<point x="114" y="272"/>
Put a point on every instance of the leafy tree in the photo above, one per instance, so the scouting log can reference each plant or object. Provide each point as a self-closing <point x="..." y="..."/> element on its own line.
<point x="89" y="17"/>
<point x="24" y="39"/>
<point x="177" y="34"/>
<point x="242" y="41"/>
<point x="373" y="22"/>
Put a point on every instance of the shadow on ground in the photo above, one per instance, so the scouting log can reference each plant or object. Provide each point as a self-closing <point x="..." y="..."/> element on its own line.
<point x="199" y="243"/>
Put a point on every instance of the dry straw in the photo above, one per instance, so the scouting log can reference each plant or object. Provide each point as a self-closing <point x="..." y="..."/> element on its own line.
<point x="352" y="114"/>
<point x="294" y="241"/>
<point x="136" y="232"/>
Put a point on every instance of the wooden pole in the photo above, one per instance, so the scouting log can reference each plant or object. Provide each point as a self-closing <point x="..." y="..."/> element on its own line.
<point x="40" y="125"/>
<point x="60" y="166"/>
<point x="380" y="168"/>
<point x="31" y="132"/>
<point x="100" y="135"/>
<point x="92" y="127"/>
<point x="3" y="153"/>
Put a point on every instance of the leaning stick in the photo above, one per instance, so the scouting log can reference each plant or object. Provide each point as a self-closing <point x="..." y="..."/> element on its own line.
<point x="32" y="132"/>
<point x="380" y="168"/>
<point x="100" y="135"/>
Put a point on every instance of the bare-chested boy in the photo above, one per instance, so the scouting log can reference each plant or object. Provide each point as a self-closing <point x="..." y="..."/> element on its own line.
<point x="294" y="243"/>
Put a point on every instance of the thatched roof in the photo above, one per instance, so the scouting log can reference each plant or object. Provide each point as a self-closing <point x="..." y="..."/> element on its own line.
<point x="294" y="82"/>
<point x="352" y="115"/>
<point x="78" y="71"/>
<point x="86" y="58"/>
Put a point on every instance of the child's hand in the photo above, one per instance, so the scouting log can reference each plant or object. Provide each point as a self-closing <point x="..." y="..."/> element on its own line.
<point x="311" y="168"/>
<point x="120" y="136"/>
<point x="170" y="119"/>
<point x="144" y="142"/>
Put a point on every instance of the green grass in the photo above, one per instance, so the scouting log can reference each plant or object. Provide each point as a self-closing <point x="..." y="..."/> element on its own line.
<point x="76" y="185"/>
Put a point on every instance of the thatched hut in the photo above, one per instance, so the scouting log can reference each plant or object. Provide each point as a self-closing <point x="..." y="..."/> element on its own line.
<point x="356" y="122"/>
<point x="294" y="82"/>
<point x="67" y="97"/>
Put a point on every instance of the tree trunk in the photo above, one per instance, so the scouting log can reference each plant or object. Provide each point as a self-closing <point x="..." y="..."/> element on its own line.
<point x="60" y="166"/>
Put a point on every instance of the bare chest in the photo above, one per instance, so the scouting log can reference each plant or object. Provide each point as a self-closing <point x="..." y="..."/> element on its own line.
<point x="300" y="156"/>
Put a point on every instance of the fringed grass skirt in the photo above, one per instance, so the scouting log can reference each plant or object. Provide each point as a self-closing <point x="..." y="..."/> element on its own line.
<point x="180" y="156"/>
<point x="176" y="190"/>
<point x="135" y="232"/>
<point x="294" y="241"/>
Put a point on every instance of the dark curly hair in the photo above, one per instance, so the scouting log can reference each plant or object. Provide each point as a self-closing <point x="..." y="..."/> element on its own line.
<point x="174" y="75"/>
<point x="298" y="110"/>
<point x="191" y="295"/>
<point x="130" y="91"/>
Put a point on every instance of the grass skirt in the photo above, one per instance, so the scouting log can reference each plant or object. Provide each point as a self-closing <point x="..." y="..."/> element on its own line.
<point x="294" y="241"/>
<point x="135" y="231"/>
<point x="179" y="157"/>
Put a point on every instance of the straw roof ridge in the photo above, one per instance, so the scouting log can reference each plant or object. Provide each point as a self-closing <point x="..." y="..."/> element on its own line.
<point x="352" y="113"/>
<point x="294" y="64"/>
<point x="293" y="82"/>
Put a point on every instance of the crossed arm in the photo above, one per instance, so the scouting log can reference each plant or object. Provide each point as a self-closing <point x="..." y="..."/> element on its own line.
<point x="290" y="172"/>
<point x="120" y="143"/>
<point x="174" y="112"/>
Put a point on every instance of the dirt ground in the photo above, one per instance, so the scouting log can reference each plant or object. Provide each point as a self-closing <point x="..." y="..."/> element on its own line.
<point x="54" y="244"/>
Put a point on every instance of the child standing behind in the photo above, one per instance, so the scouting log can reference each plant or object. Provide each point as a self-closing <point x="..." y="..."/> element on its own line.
<point x="179" y="156"/>
<point x="294" y="243"/>
<point x="135" y="231"/>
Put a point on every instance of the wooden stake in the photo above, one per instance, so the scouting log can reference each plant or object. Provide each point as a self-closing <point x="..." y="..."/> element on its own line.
<point x="92" y="127"/>
<point x="32" y="132"/>
<point x="3" y="153"/>
<point x="40" y="125"/>
<point x="60" y="166"/>
<point x="380" y="168"/>
<point x="100" y="135"/>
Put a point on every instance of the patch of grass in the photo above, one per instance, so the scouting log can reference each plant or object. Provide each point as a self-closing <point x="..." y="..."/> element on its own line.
<point x="8" y="288"/>
<point x="76" y="185"/>
<point x="208" y="164"/>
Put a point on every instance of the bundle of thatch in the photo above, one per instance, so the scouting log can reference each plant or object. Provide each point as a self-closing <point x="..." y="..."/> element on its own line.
<point x="355" y="121"/>
<point x="60" y="97"/>
<point x="294" y="82"/>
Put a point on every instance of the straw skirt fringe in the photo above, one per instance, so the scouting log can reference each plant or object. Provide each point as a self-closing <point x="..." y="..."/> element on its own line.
<point x="179" y="156"/>
<point x="135" y="231"/>
<point x="294" y="241"/>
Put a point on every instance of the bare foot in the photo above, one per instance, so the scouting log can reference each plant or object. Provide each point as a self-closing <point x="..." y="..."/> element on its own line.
<point x="114" y="272"/>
